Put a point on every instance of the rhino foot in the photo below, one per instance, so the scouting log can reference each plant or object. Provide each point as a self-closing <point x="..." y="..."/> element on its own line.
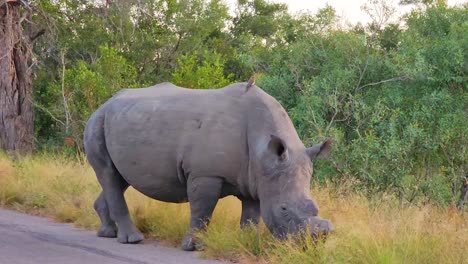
<point x="188" y="244"/>
<point x="129" y="237"/>
<point x="107" y="231"/>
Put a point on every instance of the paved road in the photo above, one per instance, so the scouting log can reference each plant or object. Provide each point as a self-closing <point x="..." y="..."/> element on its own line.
<point x="26" y="239"/>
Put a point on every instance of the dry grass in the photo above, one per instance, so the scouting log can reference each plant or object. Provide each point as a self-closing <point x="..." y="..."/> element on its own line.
<point x="377" y="231"/>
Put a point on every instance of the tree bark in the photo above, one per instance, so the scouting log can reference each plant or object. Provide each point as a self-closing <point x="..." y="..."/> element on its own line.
<point x="16" y="108"/>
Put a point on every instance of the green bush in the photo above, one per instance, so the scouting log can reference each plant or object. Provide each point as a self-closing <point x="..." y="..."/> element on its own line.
<point x="393" y="95"/>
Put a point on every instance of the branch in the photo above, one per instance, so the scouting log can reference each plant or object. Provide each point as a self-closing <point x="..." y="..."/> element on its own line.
<point x="65" y="101"/>
<point x="177" y="44"/>
<point x="365" y="65"/>
<point x="47" y="111"/>
<point x="25" y="4"/>
<point x="24" y="17"/>
<point x="38" y="34"/>
<point x="26" y="14"/>
<point x="32" y="65"/>
<point x="399" y="78"/>
<point x="331" y="121"/>
<point x="296" y="75"/>
<point x="335" y="113"/>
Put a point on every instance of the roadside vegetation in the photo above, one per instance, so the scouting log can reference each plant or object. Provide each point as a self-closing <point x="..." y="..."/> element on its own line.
<point x="393" y="93"/>
<point x="376" y="230"/>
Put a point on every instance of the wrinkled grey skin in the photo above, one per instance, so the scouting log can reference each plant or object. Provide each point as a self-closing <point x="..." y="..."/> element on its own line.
<point x="177" y="145"/>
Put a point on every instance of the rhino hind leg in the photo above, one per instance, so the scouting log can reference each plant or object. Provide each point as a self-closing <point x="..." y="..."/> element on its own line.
<point x="108" y="227"/>
<point x="110" y="205"/>
<point x="114" y="186"/>
<point x="203" y="194"/>
<point x="250" y="212"/>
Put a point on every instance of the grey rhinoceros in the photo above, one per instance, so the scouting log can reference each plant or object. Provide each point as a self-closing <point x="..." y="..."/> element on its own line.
<point x="181" y="145"/>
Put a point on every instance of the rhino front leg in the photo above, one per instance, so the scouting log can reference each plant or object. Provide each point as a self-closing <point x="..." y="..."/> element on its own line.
<point x="203" y="194"/>
<point x="250" y="212"/>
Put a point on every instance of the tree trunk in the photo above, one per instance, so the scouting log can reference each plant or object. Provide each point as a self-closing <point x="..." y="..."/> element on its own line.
<point x="16" y="109"/>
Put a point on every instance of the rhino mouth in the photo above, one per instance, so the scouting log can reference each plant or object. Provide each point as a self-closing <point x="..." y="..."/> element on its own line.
<point x="316" y="227"/>
<point x="320" y="228"/>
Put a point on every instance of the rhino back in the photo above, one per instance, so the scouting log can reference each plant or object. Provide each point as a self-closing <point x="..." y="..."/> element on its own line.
<point x="159" y="136"/>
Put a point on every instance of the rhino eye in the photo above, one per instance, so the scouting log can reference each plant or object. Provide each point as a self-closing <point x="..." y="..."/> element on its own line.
<point x="283" y="208"/>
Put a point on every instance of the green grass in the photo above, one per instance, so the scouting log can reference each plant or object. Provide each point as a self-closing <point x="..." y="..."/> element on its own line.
<point x="377" y="231"/>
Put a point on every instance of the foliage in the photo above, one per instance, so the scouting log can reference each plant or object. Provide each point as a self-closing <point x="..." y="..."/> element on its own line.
<point x="209" y="73"/>
<point x="374" y="230"/>
<point x="396" y="109"/>
<point x="392" y="93"/>
<point x="83" y="88"/>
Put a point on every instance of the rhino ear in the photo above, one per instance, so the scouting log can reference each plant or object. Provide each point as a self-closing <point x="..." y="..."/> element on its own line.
<point x="319" y="150"/>
<point x="277" y="147"/>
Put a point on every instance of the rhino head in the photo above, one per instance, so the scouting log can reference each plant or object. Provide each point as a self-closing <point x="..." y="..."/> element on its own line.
<point x="286" y="204"/>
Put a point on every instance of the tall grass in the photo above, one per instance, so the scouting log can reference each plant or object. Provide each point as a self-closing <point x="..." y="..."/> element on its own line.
<point x="367" y="231"/>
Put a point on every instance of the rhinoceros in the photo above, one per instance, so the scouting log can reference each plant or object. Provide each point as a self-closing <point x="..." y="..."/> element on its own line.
<point x="180" y="145"/>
